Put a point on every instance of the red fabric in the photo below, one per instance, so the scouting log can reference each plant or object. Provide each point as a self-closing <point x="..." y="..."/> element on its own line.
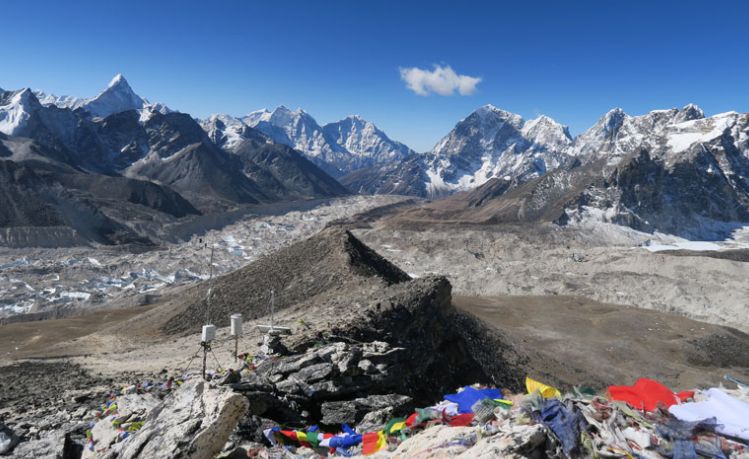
<point x="370" y="442"/>
<point x="461" y="420"/>
<point x="646" y="394"/>
<point x="685" y="395"/>
<point x="411" y="419"/>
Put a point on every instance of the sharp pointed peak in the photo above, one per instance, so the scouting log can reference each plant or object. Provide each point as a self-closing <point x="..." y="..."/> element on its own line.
<point x="693" y="111"/>
<point x="615" y="115"/>
<point x="616" y="111"/>
<point x="24" y="96"/>
<point x="118" y="80"/>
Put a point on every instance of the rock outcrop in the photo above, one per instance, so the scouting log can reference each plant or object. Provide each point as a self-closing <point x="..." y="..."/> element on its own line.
<point x="194" y="423"/>
<point x="378" y="409"/>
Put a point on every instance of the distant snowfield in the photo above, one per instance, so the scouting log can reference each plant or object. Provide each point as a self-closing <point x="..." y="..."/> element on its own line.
<point x="739" y="240"/>
<point x="595" y="224"/>
<point x="699" y="246"/>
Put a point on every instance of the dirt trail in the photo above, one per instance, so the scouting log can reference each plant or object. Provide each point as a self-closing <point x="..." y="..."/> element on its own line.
<point x="586" y="342"/>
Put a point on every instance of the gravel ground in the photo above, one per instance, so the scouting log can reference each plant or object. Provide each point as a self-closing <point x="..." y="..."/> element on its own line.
<point x="552" y="261"/>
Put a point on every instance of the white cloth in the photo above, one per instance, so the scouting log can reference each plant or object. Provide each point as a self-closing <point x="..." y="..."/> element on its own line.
<point x="731" y="413"/>
<point x="449" y="408"/>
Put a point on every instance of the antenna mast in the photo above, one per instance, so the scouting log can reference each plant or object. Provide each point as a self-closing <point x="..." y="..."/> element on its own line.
<point x="210" y="287"/>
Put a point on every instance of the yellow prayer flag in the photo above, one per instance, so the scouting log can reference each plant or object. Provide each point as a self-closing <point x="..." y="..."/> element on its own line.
<point x="397" y="427"/>
<point x="546" y="391"/>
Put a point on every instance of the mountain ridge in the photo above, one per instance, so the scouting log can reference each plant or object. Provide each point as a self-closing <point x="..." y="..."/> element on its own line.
<point x="122" y="166"/>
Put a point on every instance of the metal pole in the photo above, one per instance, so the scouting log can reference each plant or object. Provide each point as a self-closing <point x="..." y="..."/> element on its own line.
<point x="236" y="348"/>
<point x="205" y="355"/>
<point x="272" y="307"/>
<point x="210" y="288"/>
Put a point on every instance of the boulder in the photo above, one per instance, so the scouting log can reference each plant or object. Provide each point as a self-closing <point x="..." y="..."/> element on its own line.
<point x="130" y="408"/>
<point x="437" y="442"/>
<point x="509" y="441"/>
<point x="333" y="371"/>
<point x="354" y="411"/>
<point x="194" y="422"/>
<point x="512" y="441"/>
<point x="8" y="439"/>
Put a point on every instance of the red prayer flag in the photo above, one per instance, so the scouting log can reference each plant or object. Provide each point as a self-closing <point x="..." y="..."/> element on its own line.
<point x="461" y="420"/>
<point x="645" y="394"/>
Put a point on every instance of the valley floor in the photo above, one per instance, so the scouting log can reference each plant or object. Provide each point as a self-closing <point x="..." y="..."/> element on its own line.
<point x="550" y="261"/>
<point x="578" y="307"/>
<point x="55" y="282"/>
<point x="574" y="339"/>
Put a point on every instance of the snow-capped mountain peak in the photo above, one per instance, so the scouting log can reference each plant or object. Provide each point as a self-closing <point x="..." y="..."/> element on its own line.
<point x="118" y="80"/>
<point x="492" y="142"/>
<point x="364" y="140"/>
<point x="612" y="121"/>
<point x="689" y="112"/>
<point x="117" y="97"/>
<point x="229" y="132"/>
<point x="617" y="134"/>
<point x="24" y="97"/>
<point x="253" y="118"/>
<point x="16" y="113"/>
<point x="547" y="133"/>
<point x="300" y="131"/>
<point x="491" y="113"/>
<point x="346" y="145"/>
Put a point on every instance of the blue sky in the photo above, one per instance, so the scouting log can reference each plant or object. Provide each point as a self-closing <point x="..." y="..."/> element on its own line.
<point x="570" y="60"/>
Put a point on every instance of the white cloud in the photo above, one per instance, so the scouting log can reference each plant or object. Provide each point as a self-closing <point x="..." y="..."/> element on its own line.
<point x="441" y="80"/>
